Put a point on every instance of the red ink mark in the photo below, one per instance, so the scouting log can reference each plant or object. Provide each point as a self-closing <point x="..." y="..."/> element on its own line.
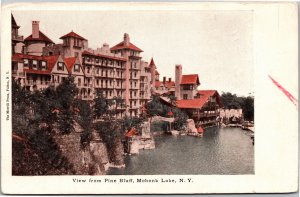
<point x="289" y="95"/>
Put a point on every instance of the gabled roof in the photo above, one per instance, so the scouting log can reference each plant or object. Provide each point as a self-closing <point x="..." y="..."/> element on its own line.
<point x="73" y="35"/>
<point x="121" y="45"/>
<point x="51" y="60"/>
<point x="190" y="79"/>
<point x="70" y="61"/>
<point x="42" y="37"/>
<point x="199" y="102"/>
<point x="104" y="56"/>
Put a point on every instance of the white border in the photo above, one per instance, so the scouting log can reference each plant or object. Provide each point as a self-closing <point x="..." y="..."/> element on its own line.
<point x="275" y="30"/>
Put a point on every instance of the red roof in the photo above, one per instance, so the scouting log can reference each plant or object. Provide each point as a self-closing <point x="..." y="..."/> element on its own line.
<point x="121" y="45"/>
<point x="104" y="56"/>
<point x="51" y="60"/>
<point x="190" y="79"/>
<point x="42" y="37"/>
<point x="200" y="130"/>
<point x="191" y="104"/>
<point x="73" y="35"/>
<point x="131" y="132"/>
<point x="170" y="113"/>
<point x="152" y="63"/>
<point x="20" y="56"/>
<point x="168" y="84"/>
<point x="70" y="61"/>
<point x="199" y="102"/>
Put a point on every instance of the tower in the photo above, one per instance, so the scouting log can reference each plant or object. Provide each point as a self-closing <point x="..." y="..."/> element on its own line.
<point x="178" y="75"/>
<point x="152" y="67"/>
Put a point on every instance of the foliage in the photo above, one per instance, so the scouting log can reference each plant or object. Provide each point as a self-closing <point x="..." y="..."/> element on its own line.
<point x="66" y="93"/>
<point x="38" y="155"/>
<point x="101" y="105"/>
<point x="132" y="122"/>
<point x="180" y="119"/>
<point x="156" y="108"/>
<point x="32" y="122"/>
<point x="232" y="101"/>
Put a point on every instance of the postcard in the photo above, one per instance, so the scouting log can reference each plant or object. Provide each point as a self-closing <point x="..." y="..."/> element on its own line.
<point x="149" y="98"/>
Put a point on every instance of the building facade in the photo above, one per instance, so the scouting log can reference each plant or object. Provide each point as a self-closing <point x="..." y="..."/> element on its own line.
<point x="118" y="71"/>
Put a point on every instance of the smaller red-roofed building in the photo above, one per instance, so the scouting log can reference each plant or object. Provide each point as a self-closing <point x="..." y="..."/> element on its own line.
<point x="205" y="109"/>
<point x="35" y="43"/>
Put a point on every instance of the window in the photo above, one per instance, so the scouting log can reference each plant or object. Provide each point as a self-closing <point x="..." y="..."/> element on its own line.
<point x="97" y="60"/>
<point x="76" y="68"/>
<point x="88" y="69"/>
<point x="134" y="74"/>
<point x="34" y="64"/>
<point x="76" y="54"/>
<point x="79" y="81"/>
<point x="187" y="87"/>
<point x="134" y="93"/>
<point x="43" y="65"/>
<point x="135" y="84"/>
<point x="60" y="66"/>
<point x="185" y="96"/>
<point x="25" y="62"/>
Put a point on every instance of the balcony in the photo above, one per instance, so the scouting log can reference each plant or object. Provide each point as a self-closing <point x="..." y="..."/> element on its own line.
<point x="205" y="114"/>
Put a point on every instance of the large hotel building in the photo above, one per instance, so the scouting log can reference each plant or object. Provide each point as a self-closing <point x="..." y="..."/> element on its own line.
<point x="38" y="62"/>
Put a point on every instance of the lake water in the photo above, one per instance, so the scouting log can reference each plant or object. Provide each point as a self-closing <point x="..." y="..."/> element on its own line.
<point x="219" y="151"/>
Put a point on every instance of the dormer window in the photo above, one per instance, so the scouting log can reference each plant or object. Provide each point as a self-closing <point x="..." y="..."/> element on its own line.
<point x="76" y="68"/>
<point x="25" y="62"/>
<point x="60" y="66"/>
<point x="34" y="64"/>
<point x="43" y="65"/>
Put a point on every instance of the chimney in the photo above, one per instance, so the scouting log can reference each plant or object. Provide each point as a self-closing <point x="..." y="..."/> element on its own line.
<point x="164" y="80"/>
<point x="178" y="75"/>
<point x="170" y="79"/>
<point x="126" y="39"/>
<point x="35" y="29"/>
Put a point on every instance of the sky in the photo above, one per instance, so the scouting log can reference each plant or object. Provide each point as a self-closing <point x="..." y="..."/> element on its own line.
<point x="216" y="45"/>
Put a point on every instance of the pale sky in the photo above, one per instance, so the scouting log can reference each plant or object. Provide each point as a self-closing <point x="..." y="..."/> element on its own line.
<point x="216" y="45"/>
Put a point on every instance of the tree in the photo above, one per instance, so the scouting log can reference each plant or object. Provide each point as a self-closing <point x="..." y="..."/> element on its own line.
<point x="180" y="119"/>
<point x="34" y="151"/>
<point x="156" y="108"/>
<point x="101" y="107"/>
<point x="66" y="93"/>
<point x="232" y="101"/>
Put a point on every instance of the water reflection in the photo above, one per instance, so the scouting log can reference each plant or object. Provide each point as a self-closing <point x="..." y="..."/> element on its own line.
<point x="220" y="151"/>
